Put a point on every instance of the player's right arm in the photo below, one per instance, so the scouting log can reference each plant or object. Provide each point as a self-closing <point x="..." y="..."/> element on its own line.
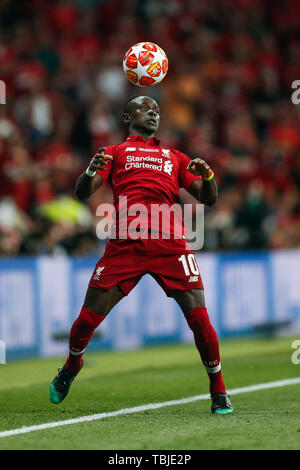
<point x="90" y="180"/>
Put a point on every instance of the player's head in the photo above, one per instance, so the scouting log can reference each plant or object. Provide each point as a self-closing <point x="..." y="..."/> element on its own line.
<point x="141" y="115"/>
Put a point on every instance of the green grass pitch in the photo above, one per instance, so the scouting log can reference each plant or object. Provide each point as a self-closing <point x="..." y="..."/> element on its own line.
<point x="266" y="419"/>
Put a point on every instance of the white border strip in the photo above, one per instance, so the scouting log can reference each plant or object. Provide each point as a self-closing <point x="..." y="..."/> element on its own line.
<point x="149" y="406"/>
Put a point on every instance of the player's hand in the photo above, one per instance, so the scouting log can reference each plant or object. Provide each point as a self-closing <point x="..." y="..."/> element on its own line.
<point x="100" y="160"/>
<point x="199" y="167"/>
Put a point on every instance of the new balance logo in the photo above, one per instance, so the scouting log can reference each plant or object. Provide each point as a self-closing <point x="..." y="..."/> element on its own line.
<point x="168" y="165"/>
<point x="193" y="279"/>
<point x="98" y="272"/>
<point x="130" y="149"/>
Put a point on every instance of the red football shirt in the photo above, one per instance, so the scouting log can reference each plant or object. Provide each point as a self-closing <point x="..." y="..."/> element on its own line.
<point x="149" y="175"/>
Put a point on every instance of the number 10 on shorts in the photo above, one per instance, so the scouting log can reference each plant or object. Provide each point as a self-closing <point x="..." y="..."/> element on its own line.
<point x="189" y="264"/>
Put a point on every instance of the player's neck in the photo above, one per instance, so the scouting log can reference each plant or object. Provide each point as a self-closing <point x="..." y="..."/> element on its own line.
<point x="146" y="136"/>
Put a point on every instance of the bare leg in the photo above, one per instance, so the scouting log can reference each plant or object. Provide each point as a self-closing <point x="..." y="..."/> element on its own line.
<point x="101" y="301"/>
<point x="189" y="299"/>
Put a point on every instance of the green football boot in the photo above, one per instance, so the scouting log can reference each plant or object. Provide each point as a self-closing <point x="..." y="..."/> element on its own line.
<point x="221" y="405"/>
<point x="61" y="384"/>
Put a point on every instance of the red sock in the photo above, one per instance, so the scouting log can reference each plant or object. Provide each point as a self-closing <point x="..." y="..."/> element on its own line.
<point x="80" y="335"/>
<point x="207" y="343"/>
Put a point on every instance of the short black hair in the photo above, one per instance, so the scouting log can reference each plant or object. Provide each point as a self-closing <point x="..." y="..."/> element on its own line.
<point x="126" y="107"/>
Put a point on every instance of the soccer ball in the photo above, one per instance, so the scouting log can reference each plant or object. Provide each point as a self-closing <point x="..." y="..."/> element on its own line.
<point x="145" y="64"/>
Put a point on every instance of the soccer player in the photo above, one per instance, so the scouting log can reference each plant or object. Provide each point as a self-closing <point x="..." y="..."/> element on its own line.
<point x="146" y="173"/>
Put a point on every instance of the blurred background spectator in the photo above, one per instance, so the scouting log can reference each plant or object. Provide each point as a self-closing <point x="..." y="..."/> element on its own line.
<point x="226" y="98"/>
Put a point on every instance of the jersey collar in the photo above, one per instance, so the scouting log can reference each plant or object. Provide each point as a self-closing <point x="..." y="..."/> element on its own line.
<point x="140" y="138"/>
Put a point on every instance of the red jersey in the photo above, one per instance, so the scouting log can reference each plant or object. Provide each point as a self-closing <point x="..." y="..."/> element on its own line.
<point x="151" y="175"/>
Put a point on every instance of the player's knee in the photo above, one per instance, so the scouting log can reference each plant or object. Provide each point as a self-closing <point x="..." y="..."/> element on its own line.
<point x="99" y="309"/>
<point x="87" y="319"/>
<point x="197" y="298"/>
<point x="101" y="301"/>
<point x="190" y="299"/>
<point x="97" y="302"/>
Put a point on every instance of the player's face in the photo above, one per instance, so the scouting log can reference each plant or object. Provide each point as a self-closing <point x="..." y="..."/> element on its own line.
<point x="144" y="115"/>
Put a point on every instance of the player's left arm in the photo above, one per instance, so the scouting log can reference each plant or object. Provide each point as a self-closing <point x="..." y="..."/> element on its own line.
<point x="205" y="189"/>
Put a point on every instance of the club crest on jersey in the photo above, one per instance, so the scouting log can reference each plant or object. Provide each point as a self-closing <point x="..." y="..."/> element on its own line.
<point x="166" y="153"/>
<point x="168" y="166"/>
<point x="98" y="272"/>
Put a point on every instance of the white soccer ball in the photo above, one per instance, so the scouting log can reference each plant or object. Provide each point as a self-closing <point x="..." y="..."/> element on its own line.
<point x="145" y="64"/>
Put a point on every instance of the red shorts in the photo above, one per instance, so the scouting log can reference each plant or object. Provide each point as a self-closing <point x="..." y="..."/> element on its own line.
<point x="169" y="262"/>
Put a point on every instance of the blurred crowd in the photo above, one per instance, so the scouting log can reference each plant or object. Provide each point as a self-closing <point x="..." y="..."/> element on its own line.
<point x="226" y="98"/>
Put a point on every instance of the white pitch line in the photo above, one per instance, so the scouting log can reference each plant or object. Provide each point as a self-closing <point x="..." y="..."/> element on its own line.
<point x="149" y="406"/>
